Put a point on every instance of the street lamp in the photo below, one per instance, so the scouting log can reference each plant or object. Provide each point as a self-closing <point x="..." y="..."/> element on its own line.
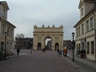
<point x="73" y="44"/>
<point x="5" y="44"/>
<point x="31" y="47"/>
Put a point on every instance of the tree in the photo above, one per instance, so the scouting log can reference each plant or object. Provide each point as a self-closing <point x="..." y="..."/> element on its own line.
<point x="20" y="35"/>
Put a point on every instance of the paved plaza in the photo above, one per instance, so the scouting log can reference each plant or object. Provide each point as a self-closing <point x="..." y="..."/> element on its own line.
<point x="39" y="61"/>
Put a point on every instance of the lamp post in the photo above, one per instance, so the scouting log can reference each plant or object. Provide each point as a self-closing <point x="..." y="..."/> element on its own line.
<point x="31" y="47"/>
<point x="5" y="44"/>
<point x="73" y="43"/>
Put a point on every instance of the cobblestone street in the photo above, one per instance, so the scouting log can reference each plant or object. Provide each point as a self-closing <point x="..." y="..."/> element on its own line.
<point x="39" y="61"/>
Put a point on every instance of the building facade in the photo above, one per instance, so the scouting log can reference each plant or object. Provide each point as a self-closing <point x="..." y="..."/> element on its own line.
<point x="6" y="26"/>
<point x="24" y="43"/>
<point x="86" y="29"/>
<point x="67" y="44"/>
<point x="42" y="33"/>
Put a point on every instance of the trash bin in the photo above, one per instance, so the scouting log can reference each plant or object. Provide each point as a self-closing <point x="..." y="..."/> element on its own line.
<point x="60" y="52"/>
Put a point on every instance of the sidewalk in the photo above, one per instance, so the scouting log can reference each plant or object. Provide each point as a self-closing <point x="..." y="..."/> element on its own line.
<point x="14" y="55"/>
<point x="83" y="62"/>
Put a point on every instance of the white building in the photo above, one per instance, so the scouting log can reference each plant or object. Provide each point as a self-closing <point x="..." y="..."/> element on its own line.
<point x="86" y="29"/>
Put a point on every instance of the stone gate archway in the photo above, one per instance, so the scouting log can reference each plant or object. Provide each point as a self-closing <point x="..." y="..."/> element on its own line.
<point x="54" y="33"/>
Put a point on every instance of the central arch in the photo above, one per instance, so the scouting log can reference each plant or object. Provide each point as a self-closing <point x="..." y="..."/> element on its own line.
<point x="40" y="34"/>
<point x="48" y="45"/>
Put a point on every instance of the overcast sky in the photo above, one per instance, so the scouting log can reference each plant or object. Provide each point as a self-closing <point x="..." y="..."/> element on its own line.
<point x="24" y="14"/>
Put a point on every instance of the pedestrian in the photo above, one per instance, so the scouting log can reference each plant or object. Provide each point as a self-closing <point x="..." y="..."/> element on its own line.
<point x="18" y="50"/>
<point x="31" y="49"/>
<point x="65" y="52"/>
<point x="58" y="50"/>
<point x="43" y="49"/>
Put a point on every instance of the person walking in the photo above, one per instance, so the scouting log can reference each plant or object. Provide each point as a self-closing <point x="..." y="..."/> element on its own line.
<point x="65" y="52"/>
<point x="18" y="50"/>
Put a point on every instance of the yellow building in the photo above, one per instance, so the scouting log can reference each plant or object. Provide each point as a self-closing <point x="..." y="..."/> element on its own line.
<point x="6" y="26"/>
<point x="86" y="29"/>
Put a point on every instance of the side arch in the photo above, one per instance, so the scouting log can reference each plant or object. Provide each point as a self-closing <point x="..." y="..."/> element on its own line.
<point x="39" y="46"/>
<point x="56" y="46"/>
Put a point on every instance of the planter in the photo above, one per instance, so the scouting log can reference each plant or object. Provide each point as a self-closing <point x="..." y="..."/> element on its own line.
<point x="92" y="53"/>
<point x="82" y="53"/>
<point x="87" y="52"/>
<point x="81" y="56"/>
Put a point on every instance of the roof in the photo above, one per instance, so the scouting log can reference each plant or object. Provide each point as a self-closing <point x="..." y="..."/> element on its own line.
<point x="84" y="1"/>
<point x="88" y="0"/>
<point x="4" y="4"/>
<point x="7" y="22"/>
<point x="85" y="16"/>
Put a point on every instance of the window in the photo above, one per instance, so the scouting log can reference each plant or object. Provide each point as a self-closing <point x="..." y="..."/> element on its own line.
<point x="79" y="47"/>
<point x="7" y="46"/>
<point x="82" y="46"/>
<point x="92" y="47"/>
<point x="8" y="31"/>
<point x="4" y="13"/>
<point x="3" y="29"/>
<point x="87" y="47"/>
<point x="79" y="31"/>
<point x="11" y="32"/>
<point x="10" y="47"/>
<point x="82" y="28"/>
<point x="87" y="25"/>
<point x="82" y="12"/>
<point x="91" y="23"/>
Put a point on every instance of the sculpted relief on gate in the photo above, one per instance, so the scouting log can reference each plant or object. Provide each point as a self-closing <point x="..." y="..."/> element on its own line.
<point x="41" y="33"/>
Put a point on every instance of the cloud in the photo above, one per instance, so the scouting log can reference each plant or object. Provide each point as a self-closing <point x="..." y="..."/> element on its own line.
<point x="24" y="14"/>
